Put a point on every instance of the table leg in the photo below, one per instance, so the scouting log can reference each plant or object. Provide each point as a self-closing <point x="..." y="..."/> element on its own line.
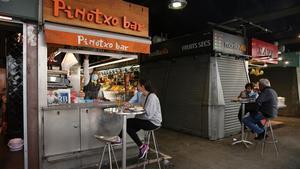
<point x="243" y="126"/>
<point x="124" y="132"/>
<point x="245" y="142"/>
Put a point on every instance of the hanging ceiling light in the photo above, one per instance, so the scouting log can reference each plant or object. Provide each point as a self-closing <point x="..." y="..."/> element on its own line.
<point x="68" y="61"/>
<point x="177" y="4"/>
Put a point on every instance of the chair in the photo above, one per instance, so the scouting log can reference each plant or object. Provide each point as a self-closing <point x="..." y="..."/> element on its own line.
<point x="148" y="134"/>
<point x="268" y="125"/>
<point x="108" y="144"/>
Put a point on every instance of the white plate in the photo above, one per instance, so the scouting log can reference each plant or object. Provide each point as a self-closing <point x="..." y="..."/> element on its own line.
<point x="132" y="108"/>
<point x="15" y="146"/>
<point x="16" y="149"/>
<point x="16" y="141"/>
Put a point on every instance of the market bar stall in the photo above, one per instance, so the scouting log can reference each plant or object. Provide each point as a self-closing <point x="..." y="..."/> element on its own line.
<point x="80" y="38"/>
<point x="196" y="77"/>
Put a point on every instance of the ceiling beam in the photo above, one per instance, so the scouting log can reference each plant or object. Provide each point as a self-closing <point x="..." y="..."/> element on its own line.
<point x="276" y="15"/>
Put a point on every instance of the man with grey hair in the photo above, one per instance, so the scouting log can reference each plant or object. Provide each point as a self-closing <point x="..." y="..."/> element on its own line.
<point x="266" y="107"/>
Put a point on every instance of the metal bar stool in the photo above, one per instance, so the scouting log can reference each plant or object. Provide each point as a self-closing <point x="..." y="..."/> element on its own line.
<point x="274" y="141"/>
<point x="148" y="134"/>
<point x="108" y="144"/>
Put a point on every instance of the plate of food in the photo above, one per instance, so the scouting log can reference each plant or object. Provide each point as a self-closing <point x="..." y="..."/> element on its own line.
<point x="136" y="108"/>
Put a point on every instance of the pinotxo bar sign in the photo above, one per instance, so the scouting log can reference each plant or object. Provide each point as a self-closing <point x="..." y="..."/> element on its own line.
<point x="83" y="40"/>
<point x="109" y="15"/>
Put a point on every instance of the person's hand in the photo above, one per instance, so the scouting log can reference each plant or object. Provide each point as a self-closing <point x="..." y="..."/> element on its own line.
<point x="127" y="105"/>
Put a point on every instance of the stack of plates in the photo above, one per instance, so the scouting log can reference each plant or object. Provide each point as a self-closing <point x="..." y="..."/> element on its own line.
<point x="15" y="144"/>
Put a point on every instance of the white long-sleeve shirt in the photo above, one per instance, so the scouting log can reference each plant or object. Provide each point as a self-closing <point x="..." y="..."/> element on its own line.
<point x="153" y="110"/>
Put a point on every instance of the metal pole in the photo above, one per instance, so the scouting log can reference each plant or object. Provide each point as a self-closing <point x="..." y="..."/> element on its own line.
<point x="124" y="141"/>
<point x="243" y="114"/>
<point x="25" y="131"/>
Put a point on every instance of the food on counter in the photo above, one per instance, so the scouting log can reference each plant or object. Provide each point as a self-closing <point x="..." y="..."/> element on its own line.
<point x="136" y="108"/>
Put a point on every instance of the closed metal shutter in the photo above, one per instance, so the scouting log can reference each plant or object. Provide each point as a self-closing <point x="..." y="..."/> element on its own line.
<point x="183" y="87"/>
<point x="233" y="79"/>
<point x="187" y="95"/>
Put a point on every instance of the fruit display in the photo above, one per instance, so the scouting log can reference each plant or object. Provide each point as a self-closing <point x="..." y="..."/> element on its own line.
<point x="118" y="81"/>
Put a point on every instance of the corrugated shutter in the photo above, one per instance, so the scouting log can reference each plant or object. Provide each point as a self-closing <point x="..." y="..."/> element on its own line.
<point x="233" y="79"/>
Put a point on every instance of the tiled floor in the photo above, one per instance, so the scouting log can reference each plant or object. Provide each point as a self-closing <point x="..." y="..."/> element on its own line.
<point x="191" y="152"/>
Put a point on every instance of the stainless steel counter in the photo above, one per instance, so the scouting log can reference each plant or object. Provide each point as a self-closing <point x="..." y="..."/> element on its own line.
<point x="104" y="104"/>
<point x="68" y="134"/>
<point x="71" y="127"/>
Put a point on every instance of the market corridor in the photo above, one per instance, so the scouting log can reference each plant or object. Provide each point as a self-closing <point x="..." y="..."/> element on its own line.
<point x="190" y="152"/>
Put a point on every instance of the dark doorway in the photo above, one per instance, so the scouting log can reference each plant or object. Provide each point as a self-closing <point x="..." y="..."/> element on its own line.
<point x="11" y="91"/>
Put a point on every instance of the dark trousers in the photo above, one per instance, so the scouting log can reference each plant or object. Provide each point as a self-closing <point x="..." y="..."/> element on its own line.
<point x="251" y="108"/>
<point x="134" y="125"/>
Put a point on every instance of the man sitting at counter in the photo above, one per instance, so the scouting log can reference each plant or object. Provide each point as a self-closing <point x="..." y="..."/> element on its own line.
<point x="265" y="107"/>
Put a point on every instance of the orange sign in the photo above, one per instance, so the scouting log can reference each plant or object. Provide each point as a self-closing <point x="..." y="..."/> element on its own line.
<point x="110" y="15"/>
<point x="82" y="40"/>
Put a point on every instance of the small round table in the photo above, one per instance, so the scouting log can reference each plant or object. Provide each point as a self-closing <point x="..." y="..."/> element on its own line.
<point x="243" y="139"/>
<point x="124" y="114"/>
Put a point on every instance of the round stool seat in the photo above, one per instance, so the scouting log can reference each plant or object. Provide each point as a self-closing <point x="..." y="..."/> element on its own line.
<point x="153" y="129"/>
<point x="111" y="139"/>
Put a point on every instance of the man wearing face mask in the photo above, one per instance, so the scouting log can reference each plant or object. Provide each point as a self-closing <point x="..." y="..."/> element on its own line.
<point x="91" y="83"/>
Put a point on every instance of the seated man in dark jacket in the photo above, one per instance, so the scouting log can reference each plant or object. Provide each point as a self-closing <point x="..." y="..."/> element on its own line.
<point x="266" y="107"/>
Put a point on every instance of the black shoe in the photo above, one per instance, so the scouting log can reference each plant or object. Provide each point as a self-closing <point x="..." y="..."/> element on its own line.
<point x="261" y="136"/>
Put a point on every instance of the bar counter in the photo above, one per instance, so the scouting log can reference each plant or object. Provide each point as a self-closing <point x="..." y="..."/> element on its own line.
<point x="103" y="105"/>
<point x="68" y="133"/>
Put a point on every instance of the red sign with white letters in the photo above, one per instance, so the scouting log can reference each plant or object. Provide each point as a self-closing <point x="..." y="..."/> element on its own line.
<point x="264" y="52"/>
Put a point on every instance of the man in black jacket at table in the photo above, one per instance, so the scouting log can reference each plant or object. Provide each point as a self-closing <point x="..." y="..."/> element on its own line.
<point x="266" y="107"/>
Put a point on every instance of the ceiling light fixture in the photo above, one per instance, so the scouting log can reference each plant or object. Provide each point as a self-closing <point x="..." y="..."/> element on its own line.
<point x="5" y="18"/>
<point x="299" y="36"/>
<point x="68" y="61"/>
<point x="98" y="53"/>
<point x="177" y="4"/>
<point x="113" y="62"/>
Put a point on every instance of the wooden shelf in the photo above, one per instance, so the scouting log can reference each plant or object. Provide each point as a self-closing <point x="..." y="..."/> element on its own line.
<point x="57" y="72"/>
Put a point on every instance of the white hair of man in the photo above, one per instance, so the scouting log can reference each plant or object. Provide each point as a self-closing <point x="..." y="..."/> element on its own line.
<point x="264" y="82"/>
